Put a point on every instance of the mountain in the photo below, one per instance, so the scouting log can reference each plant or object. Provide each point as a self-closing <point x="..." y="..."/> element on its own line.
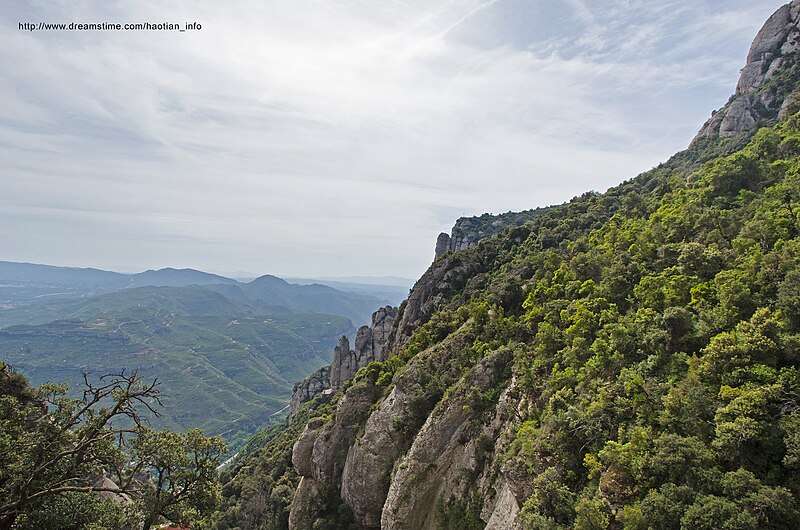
<point x="623" y="360"/>
<point x="25" y="283"/>
<point x="48" y="274"/>
<point x="381" y="281"/>
<point x="390" y="290"/>
<point x="28" y="283"/>
<point x="275" y="295"/>
<point x="30" y="292"/>
<point x="224" y="365"/>
<point x="227" y="353"/>
<point x="170" y="277"/>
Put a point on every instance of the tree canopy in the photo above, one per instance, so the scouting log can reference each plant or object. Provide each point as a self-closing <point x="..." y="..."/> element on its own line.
<point x="92" y="461"/>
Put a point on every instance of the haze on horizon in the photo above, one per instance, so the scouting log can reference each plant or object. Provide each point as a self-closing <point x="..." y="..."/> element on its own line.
<point x="316" y="138"/>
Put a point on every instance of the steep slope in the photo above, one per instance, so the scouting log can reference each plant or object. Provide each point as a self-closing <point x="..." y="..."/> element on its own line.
<point x="630" y="357"/>
<point x="625" y="360"/>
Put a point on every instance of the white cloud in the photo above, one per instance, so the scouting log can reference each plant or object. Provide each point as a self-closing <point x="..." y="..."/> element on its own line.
<point x="314" y="137"/>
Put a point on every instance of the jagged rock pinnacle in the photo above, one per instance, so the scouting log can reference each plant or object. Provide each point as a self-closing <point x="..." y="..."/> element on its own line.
<point x="766" y="87"/>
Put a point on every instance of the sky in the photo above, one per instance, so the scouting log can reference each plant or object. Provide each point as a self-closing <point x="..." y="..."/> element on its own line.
<point x="339" y="137"/>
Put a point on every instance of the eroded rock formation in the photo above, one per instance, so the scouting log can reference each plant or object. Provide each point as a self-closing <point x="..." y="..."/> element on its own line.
<point x="469" y="231"/>
<point x="765" y="88"/>
<point x="369" y="345"/>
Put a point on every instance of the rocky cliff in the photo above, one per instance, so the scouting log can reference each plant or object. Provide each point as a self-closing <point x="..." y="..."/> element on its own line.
<point x="309" y="387"/>
<point x="766" y="90"/>
<point x="369" y="345"/>
<point x="468" y="231"/>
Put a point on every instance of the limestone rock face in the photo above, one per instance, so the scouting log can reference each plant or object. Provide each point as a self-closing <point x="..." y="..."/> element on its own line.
<point x="320" y="452"/>
<point x="505" y="512"/>
<point x="758" y="99"/>
<point x="303" y="449"/>
<point x="369" y="346"/>
<point x="344" y="362"/>
<point x="450" y="447"/>
<point x="310" y="387"/>
<point x="335" y="438"/>
<point x="442" y="244"/>
<point x="365" y="478"/>
<point x="301" y="514"/>
<point x="467" y="232"/>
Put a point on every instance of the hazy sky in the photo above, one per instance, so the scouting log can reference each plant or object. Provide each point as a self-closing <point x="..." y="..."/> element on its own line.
<point x="303" y="137"/>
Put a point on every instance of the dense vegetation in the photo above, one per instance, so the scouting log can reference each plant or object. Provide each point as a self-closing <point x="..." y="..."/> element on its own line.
<point x="71" y="464"/>
<point x="257" y="488"/>
<point x="654" y="331"/>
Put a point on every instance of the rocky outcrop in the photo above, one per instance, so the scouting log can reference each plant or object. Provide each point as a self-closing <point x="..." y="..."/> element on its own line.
<point x="464" y="234"/>
<point x="319" y="456"/>
<point x="390" y="430"/>
<point x="303" y="449"/>
<point x="454" y="456"/>
<point x="365" y="478"/>
<point x="392" y="472"/>
<point x="764" y="91"/>
<point x="370" y="345"/>
<point x="309" y="387"/>
<point x="504" y="514"/>
<point x="345" y="362"/>
<point x="442" y="244"/>
<point x="469" y="231"/>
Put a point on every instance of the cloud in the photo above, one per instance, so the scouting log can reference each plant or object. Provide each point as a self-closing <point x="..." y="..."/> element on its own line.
<point x="313" y="137"/>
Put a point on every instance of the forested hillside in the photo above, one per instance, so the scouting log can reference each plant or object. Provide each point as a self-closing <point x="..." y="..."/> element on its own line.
<point x="625" y="360"/>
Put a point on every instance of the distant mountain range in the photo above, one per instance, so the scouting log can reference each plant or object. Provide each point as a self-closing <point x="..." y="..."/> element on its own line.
<point x="23" y="284"/>
<point x="226" y="352"/>
<point x="390" y="288"/>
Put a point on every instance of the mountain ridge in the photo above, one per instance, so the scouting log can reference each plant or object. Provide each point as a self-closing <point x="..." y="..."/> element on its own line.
<point x="624" y="360"/>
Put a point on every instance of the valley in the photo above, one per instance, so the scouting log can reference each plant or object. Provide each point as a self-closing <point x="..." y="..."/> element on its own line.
<point x="226" y="353"/>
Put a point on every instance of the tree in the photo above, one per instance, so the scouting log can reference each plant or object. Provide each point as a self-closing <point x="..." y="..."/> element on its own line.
<point x="55" y="449"/>
<point x="182" y="483"/>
